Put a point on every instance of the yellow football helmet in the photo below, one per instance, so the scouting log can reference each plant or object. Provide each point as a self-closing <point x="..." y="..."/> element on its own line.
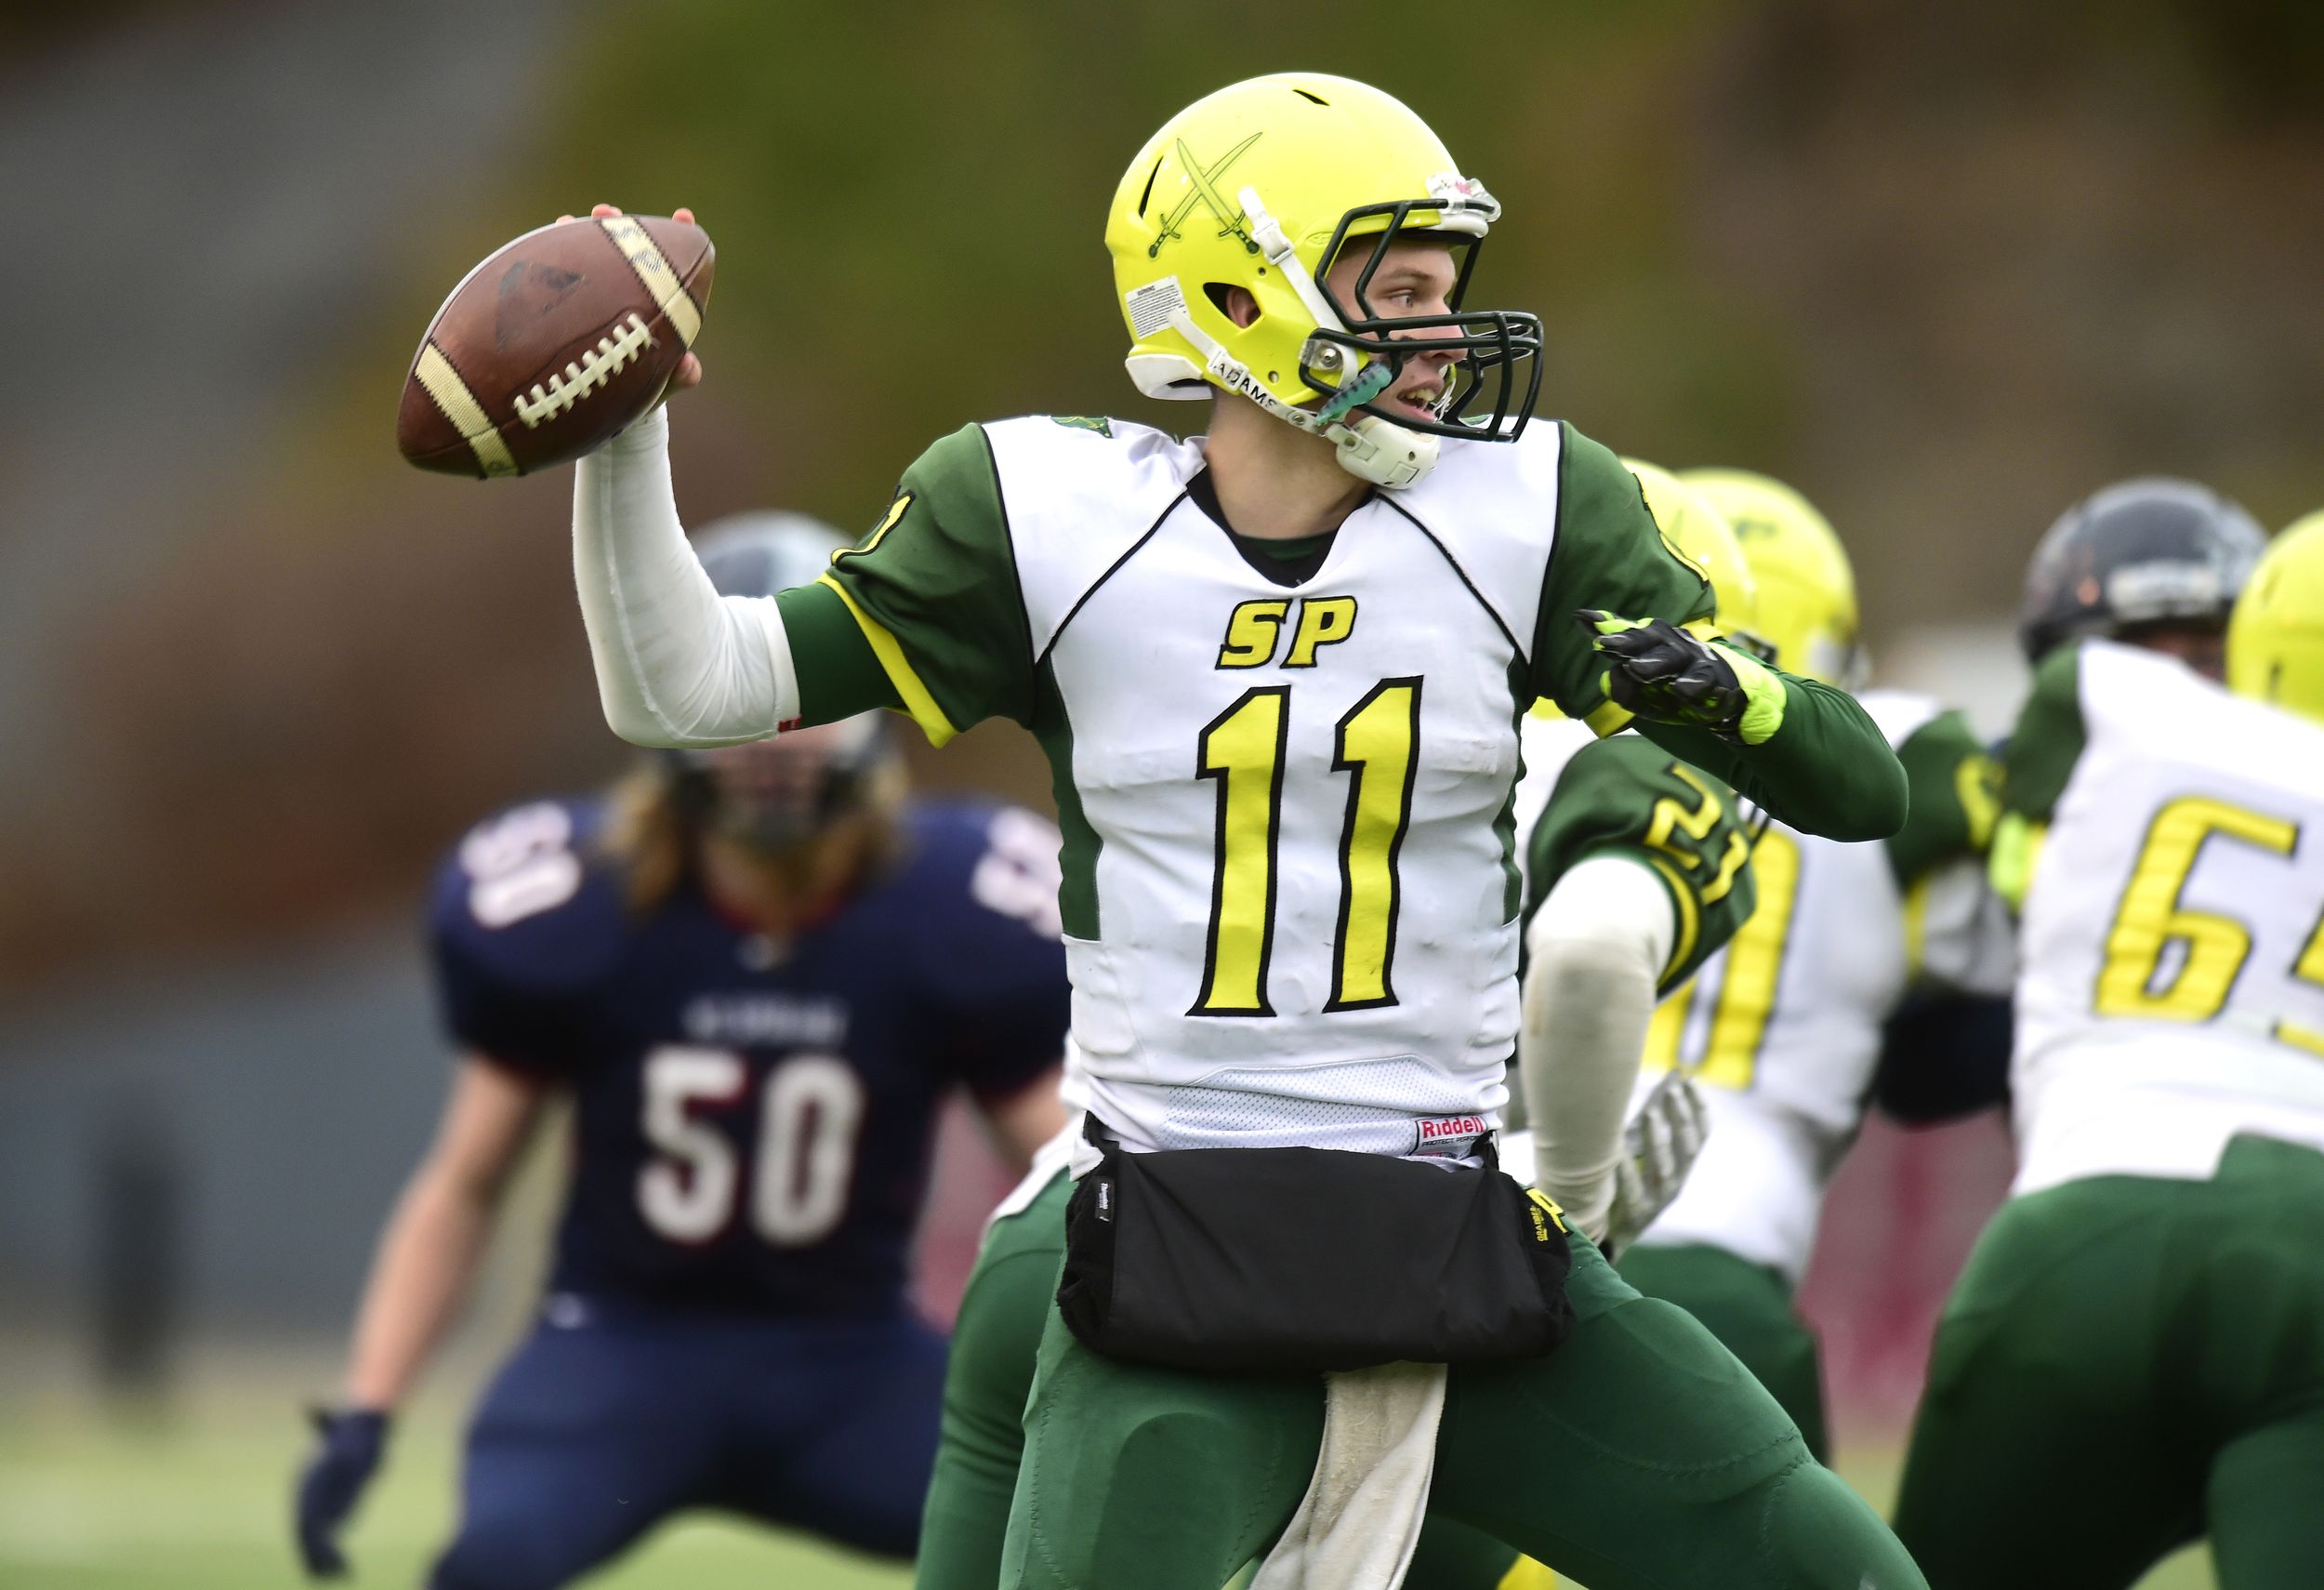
<point x="1259" y="186"/>
<point x="2276" y="635"/>
<point x="1807" y="591"/>
<point x="1698" y="533"/>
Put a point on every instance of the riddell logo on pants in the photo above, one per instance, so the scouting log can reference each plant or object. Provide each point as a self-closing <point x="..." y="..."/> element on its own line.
<point x="1449" y="1134"/>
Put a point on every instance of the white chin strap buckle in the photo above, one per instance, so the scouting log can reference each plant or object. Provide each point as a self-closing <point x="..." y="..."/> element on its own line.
<point x="1388" y="455"/>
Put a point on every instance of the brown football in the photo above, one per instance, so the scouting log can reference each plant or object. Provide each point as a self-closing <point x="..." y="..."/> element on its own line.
<point x="553" y="344"/>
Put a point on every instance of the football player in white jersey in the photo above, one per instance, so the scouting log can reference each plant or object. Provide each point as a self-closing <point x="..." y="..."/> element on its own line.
<point x="1611" y="808"/>
<point x="1278" y="672"/>
<point x="2155" y="563"/>
<point x="2134" y="1356"/>
<point x="1783" y="1027"/>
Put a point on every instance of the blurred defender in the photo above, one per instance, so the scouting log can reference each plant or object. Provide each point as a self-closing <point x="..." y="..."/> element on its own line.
<point x="1783" y="1028"/>
<point x="2134" y="1356"/>
<point x="757" y="972"/>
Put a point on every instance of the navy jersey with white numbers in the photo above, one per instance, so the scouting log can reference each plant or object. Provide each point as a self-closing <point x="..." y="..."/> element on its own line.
<point x="753" y="1121"/>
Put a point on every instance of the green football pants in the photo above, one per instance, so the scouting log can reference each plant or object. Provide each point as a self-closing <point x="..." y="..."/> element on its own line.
<point x="993" y="1344"/>
<point x="1748" y="1306"/>
<point x="1638" y="1456"/>
<point x="2129" y="1363"/>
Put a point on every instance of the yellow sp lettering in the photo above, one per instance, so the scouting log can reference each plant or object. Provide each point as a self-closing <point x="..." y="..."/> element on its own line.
<point x="1252" y="631"/>
<point x="1323" y="621"/>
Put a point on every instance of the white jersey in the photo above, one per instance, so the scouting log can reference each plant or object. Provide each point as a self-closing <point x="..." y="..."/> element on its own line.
<point x="1291" y="897"/>
<point x="1334" y="852"/>
<point x="1783" y="1027"/>
<point x="2171" y="988"/>
<point x="1283" y="770"/>
<point x="1549" y="743"/>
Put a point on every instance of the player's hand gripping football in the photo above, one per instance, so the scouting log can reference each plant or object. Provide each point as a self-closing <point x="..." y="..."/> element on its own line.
<point x="349" y="1444"/>
<point x="1660" y="1144"/>
<point x="1664" y="675"/>
<point x="690" y="367"/>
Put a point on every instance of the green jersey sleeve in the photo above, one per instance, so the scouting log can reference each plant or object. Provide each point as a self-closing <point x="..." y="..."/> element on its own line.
<point x="2048" y="739"/>
<point x="2036" y="764"/>
<point x="1827" y="770"/>
<point x="1608" y="553"/>
<point x="839" y="675"/>
<point x="1625" y="796"/>
<point x="1956" y="792"/>
<point x="933" y="588"/>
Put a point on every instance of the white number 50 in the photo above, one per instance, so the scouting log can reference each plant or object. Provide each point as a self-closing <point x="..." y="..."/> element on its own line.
<point x="809" y="1115"/>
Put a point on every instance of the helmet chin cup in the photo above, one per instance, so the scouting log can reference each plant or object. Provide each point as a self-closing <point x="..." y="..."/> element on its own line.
<point x="1385" y="455"/>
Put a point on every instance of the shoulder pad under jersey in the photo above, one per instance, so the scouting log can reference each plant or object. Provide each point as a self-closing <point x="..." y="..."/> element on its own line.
<point x="523" y="900"/>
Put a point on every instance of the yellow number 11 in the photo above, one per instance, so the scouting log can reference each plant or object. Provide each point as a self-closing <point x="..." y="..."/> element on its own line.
<point x="1243" y="750"/>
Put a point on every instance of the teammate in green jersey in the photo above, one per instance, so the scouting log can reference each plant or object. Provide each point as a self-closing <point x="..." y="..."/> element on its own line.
<point x="1783" y="1028"/>
<point x="1638" y="868"/>
<point x="2155" y="563"/>
<point x="1277" y="672"/>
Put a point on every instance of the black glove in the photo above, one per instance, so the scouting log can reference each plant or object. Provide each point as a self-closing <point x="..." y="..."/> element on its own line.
<point x="1666" y="675"/>
<point x="349" y="1443"/>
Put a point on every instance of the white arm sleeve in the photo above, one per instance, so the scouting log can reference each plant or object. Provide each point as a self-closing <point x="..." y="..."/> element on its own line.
<point x="1596" y="949"/>
<point x="676" y="663"/>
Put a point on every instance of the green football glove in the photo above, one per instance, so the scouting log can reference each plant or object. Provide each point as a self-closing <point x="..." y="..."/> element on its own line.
<point x="1664" y="675"/>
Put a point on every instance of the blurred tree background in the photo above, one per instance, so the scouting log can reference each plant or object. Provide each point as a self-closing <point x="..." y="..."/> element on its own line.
<point x="1946" y="268"/>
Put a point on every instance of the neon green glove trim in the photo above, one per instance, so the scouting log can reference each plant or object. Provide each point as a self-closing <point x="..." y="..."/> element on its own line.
<point x="1763" y="697"/>
<point x="1609" y="716"/>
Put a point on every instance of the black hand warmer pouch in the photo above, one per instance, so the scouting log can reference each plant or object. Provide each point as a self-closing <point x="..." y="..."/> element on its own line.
<point x="1309" y="1259"/>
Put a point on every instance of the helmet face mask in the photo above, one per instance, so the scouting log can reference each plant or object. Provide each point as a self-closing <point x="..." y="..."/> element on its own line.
<point x="1488" y="344"/>
<point x="777" y="796"/>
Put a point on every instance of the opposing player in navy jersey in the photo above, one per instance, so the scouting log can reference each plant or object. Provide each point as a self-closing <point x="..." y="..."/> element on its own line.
<point x="758" y="972"/>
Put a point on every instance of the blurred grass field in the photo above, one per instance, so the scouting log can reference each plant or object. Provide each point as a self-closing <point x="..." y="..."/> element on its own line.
<point x="199" y="1499"/>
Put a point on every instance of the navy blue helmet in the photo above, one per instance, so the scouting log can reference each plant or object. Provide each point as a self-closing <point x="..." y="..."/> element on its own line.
<point x="780" y="793"/>
<point x="2141" y="552"/>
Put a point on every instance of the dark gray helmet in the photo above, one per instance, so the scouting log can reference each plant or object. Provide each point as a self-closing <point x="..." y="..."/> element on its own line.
<point x="2139" y="552"/>
<point x="759" y="554"/>
<point x="780" y="793"/>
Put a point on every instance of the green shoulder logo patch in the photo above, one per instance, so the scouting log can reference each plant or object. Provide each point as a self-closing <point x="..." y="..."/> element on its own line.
<point x="1084" y="422"/>
<point x="871" y="542"/>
